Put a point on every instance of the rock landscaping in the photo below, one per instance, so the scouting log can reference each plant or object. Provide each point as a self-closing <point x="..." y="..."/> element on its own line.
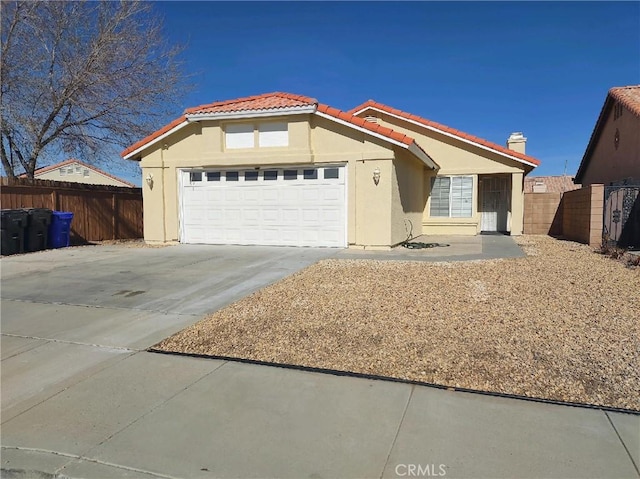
<point x="562" y="323"/>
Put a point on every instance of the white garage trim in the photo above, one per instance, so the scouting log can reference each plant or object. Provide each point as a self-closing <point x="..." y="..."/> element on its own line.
<point x="295" y="205"/>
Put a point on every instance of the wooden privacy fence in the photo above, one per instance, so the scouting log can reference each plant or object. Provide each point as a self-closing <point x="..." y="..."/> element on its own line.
<point x="99" y="212"/>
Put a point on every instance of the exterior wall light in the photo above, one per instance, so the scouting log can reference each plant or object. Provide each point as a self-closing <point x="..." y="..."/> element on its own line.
<point x="376" y="176"/>
<point x="149" y="180"/>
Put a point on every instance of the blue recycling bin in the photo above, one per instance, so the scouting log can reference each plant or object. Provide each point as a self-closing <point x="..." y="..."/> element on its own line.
<point x="60" y="229"/>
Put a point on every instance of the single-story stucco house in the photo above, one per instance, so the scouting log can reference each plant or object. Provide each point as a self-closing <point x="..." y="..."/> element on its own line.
<point x="283" y="169"/>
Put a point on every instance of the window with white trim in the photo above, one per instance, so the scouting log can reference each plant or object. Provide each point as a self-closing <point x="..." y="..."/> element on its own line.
<point x="239" y="135"/>
<point x="251" y="135"/>
<point x="451" y="197"/>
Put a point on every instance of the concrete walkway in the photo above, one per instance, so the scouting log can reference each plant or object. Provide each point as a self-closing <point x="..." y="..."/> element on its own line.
<point x="448" y="248"/>
<point x="82" y="398"/>
<point x="153" y="415"/>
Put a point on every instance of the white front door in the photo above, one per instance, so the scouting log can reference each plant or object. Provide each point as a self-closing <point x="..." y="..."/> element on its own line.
<point x="296" y="206"/>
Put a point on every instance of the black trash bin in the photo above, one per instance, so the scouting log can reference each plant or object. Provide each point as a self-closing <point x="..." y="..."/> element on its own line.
<point x="13" y="224"/>
<point x="35" y="237"/>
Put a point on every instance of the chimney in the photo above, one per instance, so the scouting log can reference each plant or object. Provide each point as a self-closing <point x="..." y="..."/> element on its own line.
<point x="517" y="142"/>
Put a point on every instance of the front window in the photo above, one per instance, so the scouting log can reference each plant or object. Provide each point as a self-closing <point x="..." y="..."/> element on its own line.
<point x="451" y="197"/>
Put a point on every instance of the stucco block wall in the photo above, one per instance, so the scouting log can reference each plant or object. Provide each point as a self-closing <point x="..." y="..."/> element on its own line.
<point x="542" y="214"/>
<point x="582" y="213"/>
<point x="610" y="164"/>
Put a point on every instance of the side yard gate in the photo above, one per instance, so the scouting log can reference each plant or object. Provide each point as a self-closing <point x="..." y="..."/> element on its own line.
<point x="99" y="212"/>
<point x="621" y="221"/>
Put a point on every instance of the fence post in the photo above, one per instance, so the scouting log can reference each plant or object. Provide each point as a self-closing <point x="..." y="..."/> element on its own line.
<point x="114" y="219"/>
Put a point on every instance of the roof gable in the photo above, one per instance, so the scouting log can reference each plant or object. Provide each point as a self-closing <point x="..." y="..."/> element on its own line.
<point x="73" y="161"/>
<point x="629" y="96"/>
<point x="273" y="104"/>
<point x="432" y="125"/>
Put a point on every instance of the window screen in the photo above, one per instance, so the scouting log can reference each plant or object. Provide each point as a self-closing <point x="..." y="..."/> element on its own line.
<point x="461" y="195"/>
<point x="440" y="187"/>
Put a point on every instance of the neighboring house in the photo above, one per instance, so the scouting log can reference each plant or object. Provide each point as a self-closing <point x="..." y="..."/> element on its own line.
<point x="76" y="171"/>
<point x="613" y="153"/>
<point x="549" y="184"/>
<point x="283" y="169"/>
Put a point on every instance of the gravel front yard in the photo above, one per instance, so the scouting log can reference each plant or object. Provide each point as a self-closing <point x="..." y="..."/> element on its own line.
<point x="562" y="323"/>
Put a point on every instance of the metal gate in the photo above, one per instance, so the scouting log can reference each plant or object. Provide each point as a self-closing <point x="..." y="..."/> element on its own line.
<point x="621" y="222"/>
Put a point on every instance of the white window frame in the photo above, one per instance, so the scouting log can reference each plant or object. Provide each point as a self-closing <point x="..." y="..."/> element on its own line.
<point x="450" y="196"/>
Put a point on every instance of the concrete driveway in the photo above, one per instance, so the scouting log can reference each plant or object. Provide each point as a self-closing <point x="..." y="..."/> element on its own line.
<point x="81" y="398"/>
<point x="70" y="312"/>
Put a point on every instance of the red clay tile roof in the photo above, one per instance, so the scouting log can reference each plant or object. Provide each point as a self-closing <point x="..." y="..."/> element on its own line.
<point x="446" y="129"/>
<point x="265" y="101"/>
<point x="273" y="101"/>
<point x="72" y="161"/>
<point x="629" y="96"/>
<point x="154" y="135"/>
<point x="374" y="127"/>
<point x="554" y="184"/>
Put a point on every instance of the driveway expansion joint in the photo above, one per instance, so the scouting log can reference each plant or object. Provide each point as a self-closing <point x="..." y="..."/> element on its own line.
<point x="395" y="437"/>
<point x="154" y="408"/>
<point x="87" y="459"/>
<point x="96" y="306"/>
<point x="63" y="341"/>
<point x="636" y="466"/>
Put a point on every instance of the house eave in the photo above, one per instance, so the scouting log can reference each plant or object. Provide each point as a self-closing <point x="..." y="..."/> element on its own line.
<point x="413" y="148"/>
<point x="450" y="135"/>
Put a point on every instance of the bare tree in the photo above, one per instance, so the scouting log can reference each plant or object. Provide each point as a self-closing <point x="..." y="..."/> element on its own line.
<point x="81" y="78"/>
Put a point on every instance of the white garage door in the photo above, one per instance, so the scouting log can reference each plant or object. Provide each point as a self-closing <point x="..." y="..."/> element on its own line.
<point x="303" y="206"/>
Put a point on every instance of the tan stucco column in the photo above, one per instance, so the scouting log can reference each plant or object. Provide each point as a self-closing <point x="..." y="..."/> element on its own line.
<point x="517" y="203"/>
<point x="153" y="199"/>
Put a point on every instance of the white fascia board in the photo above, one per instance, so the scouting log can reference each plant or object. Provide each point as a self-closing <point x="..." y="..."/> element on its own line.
<point x="426" y="159"/>
<point x="412" y="148"/>
<point x="265" y="112"/>
<point x="156" y="140"/>
<point x="445" y="133"/>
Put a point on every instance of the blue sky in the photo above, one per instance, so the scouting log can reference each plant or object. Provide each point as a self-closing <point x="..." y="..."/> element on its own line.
<point x="486" y="68"/>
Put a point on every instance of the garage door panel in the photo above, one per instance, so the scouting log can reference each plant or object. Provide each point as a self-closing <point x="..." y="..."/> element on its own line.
<point x="300" y="212"/>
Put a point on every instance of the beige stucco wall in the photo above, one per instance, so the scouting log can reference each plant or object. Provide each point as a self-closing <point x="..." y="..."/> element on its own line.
<point x="608" y="164"/>
<point x="459" y="158"/>
<point x="312" y="140"/>
<point x="407" y="196"/>
<point x="94" y="177"/>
